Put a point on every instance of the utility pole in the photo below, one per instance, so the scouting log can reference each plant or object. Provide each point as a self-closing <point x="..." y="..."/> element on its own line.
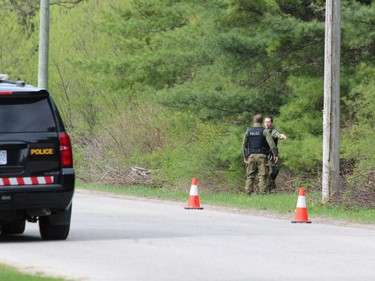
<point x="43" y="44"/>
<point x="331" y="113"/>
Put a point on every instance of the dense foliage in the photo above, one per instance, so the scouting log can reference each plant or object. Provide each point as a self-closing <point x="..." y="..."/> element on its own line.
<point x="172" y="85"/>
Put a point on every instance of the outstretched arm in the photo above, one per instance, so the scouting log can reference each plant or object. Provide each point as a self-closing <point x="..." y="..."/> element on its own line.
<point x="277" y="135"/>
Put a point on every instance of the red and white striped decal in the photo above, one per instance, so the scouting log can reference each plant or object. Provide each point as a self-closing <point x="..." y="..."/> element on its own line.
<point x="26" y="181"/>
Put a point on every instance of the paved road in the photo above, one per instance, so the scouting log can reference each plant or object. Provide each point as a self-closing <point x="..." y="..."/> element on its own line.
<point x="119" y="238"/>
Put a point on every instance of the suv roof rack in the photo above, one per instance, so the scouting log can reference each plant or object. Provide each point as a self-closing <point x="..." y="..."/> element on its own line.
<point x="4" y="78"/>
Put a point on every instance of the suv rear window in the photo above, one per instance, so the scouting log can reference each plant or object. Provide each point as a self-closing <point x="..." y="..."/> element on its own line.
<point x="26" y="114"/>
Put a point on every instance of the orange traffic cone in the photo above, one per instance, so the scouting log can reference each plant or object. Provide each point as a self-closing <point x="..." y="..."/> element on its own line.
<point x="193" y="202"/>
<point x="301" y="210"/>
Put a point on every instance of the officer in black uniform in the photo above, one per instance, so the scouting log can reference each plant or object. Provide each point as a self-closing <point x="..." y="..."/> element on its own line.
<point x="257" y="144"/>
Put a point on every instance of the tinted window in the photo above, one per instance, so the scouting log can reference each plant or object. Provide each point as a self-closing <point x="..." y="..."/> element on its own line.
<point x="26" y="115"/>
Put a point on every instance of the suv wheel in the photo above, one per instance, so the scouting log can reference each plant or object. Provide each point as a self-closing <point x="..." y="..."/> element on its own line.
<point x="51" y="228"/>
<point x="15" y="227"/>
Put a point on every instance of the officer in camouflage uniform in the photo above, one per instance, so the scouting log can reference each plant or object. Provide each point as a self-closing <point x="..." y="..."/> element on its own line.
<point x="257" y="144"/>
<point x="273" y="168"/>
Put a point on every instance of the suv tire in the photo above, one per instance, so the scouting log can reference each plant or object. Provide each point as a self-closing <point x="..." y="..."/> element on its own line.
<point x="51" y="229"/>
<point x="16" y="227"/>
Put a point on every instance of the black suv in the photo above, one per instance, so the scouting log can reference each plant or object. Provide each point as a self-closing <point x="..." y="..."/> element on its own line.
<point x="36" y="163"/>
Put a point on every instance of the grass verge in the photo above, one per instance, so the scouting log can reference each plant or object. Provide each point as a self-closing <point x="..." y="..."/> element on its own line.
<point x="9" y="273"/>
<point x="282" y="203"/>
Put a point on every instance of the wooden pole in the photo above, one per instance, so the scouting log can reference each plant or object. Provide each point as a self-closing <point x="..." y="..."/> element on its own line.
<point x="331" y="113"/>
<point x="43" y="44"/>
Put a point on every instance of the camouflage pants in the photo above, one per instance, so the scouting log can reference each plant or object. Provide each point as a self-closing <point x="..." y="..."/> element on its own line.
<point x="271" y="179"/>
<point x="258" y="166"/>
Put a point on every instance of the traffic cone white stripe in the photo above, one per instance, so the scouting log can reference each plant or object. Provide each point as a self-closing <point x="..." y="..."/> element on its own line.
<point x="194" y="190"/>
<point x="301" y="202"/>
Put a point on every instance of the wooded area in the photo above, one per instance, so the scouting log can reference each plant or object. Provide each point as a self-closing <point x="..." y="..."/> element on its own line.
<point x="171" y="86"/>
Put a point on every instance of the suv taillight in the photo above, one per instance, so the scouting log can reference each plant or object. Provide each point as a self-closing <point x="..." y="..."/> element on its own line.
<point x="66" y="153"/>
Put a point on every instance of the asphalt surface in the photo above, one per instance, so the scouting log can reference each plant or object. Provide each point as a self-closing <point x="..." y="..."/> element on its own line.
<point x="124" y="238"/>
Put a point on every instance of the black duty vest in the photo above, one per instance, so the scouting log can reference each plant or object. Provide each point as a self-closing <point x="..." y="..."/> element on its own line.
<point x="256" y="142"/>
